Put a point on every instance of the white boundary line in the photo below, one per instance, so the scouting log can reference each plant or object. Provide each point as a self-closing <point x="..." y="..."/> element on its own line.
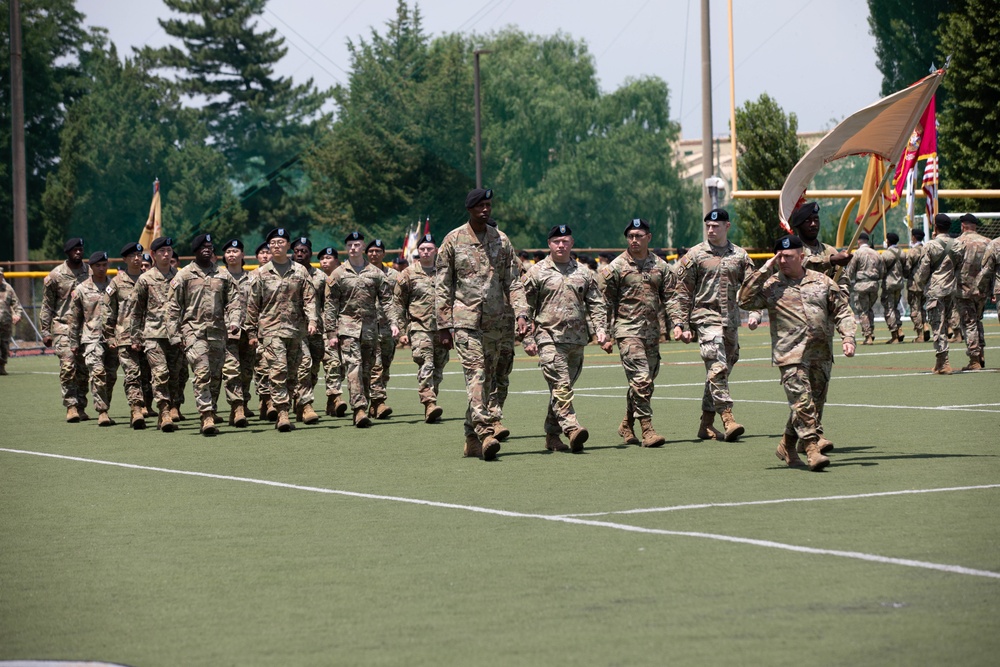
<point x="873" y="558"/>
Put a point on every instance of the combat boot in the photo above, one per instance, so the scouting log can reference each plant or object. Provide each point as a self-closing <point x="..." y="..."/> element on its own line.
<point x="175" y="414"/>
<point x="148" y="411"/>
<point x="650" y="438"/>
<point x="432" y="413"/>
<point x="339" y="406"/>
<point x="500" y="432"/>
<point x="490" y="448"/>
<point x="283" y="424"/>
<point x="380" y="410"/>
<point x="3" y="369"/>
<point x="72" y="415"/>
<point x="733" y="429"/>
<point x="103" y="419"/>
<point x="262" y="408"/>
<point x="361" y="419"/>
<point x="237" y="416"/>
<point x="554" y="443"/>
<point x="307" y="414"/>
<point x="942" y="366"/>
<point x="138" y="420"/>
<point x="473" y="448"/>
<point x="707" y="430"/>
<point x="84" y="417"/>
<point x="974" y="365"/>
<point x="816" y="459"/>
<point x="786" y="451"/>
<point x="627" y="430"/>
<point x="272" y="411"/>
<point x="208" y="426"/>
<point x="869" y="340"/>
<point x="576" y="439"/>
<point x="165" y="423"/>
<point x="331" y="403"/>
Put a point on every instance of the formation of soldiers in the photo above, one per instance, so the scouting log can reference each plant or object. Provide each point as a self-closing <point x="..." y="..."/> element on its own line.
<point x="275" y="326"/>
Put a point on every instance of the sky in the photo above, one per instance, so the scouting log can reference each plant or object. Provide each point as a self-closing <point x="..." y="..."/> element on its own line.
<point x="814" y="57"/>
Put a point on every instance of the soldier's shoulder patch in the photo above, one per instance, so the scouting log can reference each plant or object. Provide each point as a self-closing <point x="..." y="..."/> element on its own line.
<point x="108" y="288"/>
<point x="47" y="280"/>
<point x="175" y="283"/>
<point x="605" y="271"/>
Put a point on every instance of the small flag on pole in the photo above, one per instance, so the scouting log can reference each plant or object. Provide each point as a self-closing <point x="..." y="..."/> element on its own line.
<point x="154" y="223"/>
<point x="870" y="191"/>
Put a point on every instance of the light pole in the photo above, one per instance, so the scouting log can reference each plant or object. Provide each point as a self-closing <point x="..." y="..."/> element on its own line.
<point x="479" y="136"/>
<point x="715" y="186"/>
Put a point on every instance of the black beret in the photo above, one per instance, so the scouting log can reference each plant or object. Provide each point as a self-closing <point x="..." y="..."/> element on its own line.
<point x="262" y="246"/>
<point x="234" y="243"/>
<point x="278" y="233"/>
<point x="863" y="236"/>
<point x="969" y="219"/>
<point x="892" y="238"/>
<point x="99" y="256"/>
<point x="942" y="221"/>
<point x="161" y="242"/>
<point x="72" y="243"/>
<point x="354" y="236"/>
<point x="560" y="230"/>
<point x="477" y="195"/>
<point x="146" y="258"/>
<point x="637" y="223"/>
<point x="918" y="234"/>
<point x="199" y="241"/>
<point x="130" y="248"/>
<point x="426" y="238"/>
<point x="328" y="251"/>
<point x="787" y="242"/>
<point x="717" y="214"/>
<point x="803" y="213"/>
<point x="303" y="240"/>
<point x="176" y="255"/>
<point x="376" y="243"/>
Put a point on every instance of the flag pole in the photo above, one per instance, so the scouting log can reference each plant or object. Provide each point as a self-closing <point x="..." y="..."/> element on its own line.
<point x="891" y="169"/>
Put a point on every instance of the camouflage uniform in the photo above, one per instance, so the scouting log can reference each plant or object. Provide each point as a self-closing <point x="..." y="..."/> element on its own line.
<point x="9" y="306"/>
<point x="560" y="299"/>
<point x="635" y="293"/>
<point x="971" y="248"/>
<point x="259" y="369"/>
<point x="204" y="303"/>
<point x="803" y="314"/>
<point x="915" y="296"/>
<point x="134" y="365"/>
<point x="818" y="257"/>
<point x="505" y="352"/>
<point x="386" y="348"/>
<point x="354" y="299"/>
<point x="413" y="312"/>
<point x="893" y="279"/>
<point x="280" y="309"/>
<point x="89" y="304"/>
<point x="473" y="285"/>
<point x="238" y="368"/>
<point x="148" y="328"/>
<point x="55" y="321"/>
<point x="708" y="280"/>
<point x="314" y="346"/>
<point x="863" y="274"/>
<point x="935" y="277"/>
<point x="987" y="280"/>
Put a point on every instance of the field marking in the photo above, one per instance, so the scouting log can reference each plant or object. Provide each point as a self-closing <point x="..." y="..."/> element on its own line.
<point x="856" y="555"/>
<point x="944" y="408"/>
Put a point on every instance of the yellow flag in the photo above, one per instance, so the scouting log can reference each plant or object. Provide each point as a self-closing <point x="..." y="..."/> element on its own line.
<point x="154" y="223"/>
<point x="876" y="172"/>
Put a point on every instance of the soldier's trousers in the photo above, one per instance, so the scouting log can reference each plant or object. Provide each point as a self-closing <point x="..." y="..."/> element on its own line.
<point x="280" y="358"/>
<point x="102" y="365"/>
<point x="971" y="312"/>
<point x="133" y="365"/>
<point x="939" y="314"/>
<point x="430" y="357"/>
<point x="720" y="350"/>
<point x="166" y="361"/>
<point x="561" y="364"/>
<point x="955" y="321"/>
<point x="207" y="356"/>
<point x="501" y="383"/>
<point x="385" y="353"/>
<point x="641" y="362"/>
<point x="916" y="301"/>
<point x="866" y="316"/>
<point x="238" y="368"/>
<point x="478" y="351"/>
<point x="313" y="349"/>
<point x="5" y="333"/>
<point x="890" y="304"/>
<point x="806" y="388"/>
<point x="72" y="372"/>
<point x="359" y="359"/>
<point x="260" y="373"/>
<point x="333" y="369"/>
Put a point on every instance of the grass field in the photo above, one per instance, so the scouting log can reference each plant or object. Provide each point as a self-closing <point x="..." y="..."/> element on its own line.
<point x="333" y="545"/>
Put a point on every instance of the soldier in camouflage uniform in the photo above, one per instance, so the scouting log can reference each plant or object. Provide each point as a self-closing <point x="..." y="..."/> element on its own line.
<point x="819" y="256"/>
<point x="505" y="355"/>
<point x="237" y="370"/>
<point x="803" y="307"/>
<point x="561" y="295"/>
<point x="893" y="279"/>
<point x="863" y="275"/>
<point x="935" y="278"/>
<point x="55" y="328"/>
<point x="333" y="364"/>
<point x="385" y="351"/>
<point x="11" y="313"/>
<point x="987" y="282"/>
<point x="915" y="297"/>
<point x="356" y="294"/>
<point x="413" y="311"/>
<point x="281" y="312"/>
<point x="971" y="249"/>
<point x="473" y="284"/>
<point x="267" y="409"/>
<point x="148" y="331"/>
<point x="134" y="365"/>
<point x="90" y="327"/>
<point x="205" y="310"/>
<point x="313" y="346"/>
<point x="708" y="279"/>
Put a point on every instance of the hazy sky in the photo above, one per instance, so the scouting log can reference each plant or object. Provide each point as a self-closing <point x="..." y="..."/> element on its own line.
<point x="815" y="57"/>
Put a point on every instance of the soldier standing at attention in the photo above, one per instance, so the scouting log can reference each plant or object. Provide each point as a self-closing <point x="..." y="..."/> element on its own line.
<point x="385" y="351"/>
<point x="90" y="328"/>
<point x="281" y="311"/>
<point x="987" y="277"/>
<point x="266" y="409"/>
<point x="915" y="297"/>
<point x="413" y="312"/>
<point x="237" y="371"/>
<point x="893" y="278"/>
<point x="935" y="277"/>
<point x="55" y="328"/>
<point x="803" y="307"/>
<point x="473" y="285"/>
<point x="312" y="346"/>
<point x="333" y="364"/>
<point x="10" y="314"/>
<point x="134" y="365"/>
<point x="205" y="310"/>
<point x="970" y="248"/>
<point x="561" y="296"/>
<point x="863" y="274"/>
<point x="708" y="280"/>
<point x="148" y="331"/>
<point x="819" y="256"/>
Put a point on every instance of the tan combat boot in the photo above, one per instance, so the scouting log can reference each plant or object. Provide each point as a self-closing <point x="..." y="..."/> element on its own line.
<point x="650" y="438"/>
<point x="432" y="413"/>
<point x="554" y="443"/>
<point x="165" y="423"/>
<point x="816" y="459"/>
<point x="104" y="419"/>
<point x="500" y="432"/>
<point x="208" y="426"/>
<point x="272" y="412"/>
<point x="283" y="424"/>
<point x="473" y="448"/>
<point x="72" y="415"/>
<point x="941" y="365"/>
<point x="307" y="414"/>
<point x="490" y="448"/>
<point x="627" y="430"/>
<point x="869" y="340"/>
<point x="175" y="414"/>
<point x="262" y="408"/>
<point x="339" y="406"/>
<point x="786" y="451"/>
<point x="361" y="419"/>
<point x="331" y="403"/>
<point x="707" y="430"/>
<point x="84" y="417"/>
<point x="380" y="410"/>
<point x="576" y="439"/>
<point x="974" y="365"/>
<point x="138" y="419"/>
<point x="237" y="416"/>
<point x="733" y="430"/>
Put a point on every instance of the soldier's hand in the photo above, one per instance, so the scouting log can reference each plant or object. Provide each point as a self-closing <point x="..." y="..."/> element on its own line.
<point x="753" y="323"/>
<point x="252" y="342"/>
<point x="848" y="349"/>
<point x="47" y="341"/>
<point x="136" y="348"/>
<point x="333" y="342"/>
<point x="394" y="330"/>
<point x="768" y="264"/>
<point x="523" y="326"/>
<point x="404" y="340"/>
<point x="531" y="349"/>
<point x="312" y="329"/>
<point x="841" y="258"/>
<point x="445" y="339"/>
<point x="17" y="318"/>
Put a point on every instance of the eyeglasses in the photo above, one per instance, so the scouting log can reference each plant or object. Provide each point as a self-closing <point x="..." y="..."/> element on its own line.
<point x="635" y="237"/>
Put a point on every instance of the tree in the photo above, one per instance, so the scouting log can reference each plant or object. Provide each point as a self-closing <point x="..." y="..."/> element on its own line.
<point x="768" y="150"/>
<point x="906" y="40"/>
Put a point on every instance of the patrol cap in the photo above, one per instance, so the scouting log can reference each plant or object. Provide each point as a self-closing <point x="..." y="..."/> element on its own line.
<point x="278" y="233"/>
<point x="637" y="223"/>
<point x="303" y="240"/>
<point x="426" y="238"/>
<point x="917" y="234"/>
<point x="199" y="241"/>
<point x="803" y="213"/>
<point x="130" y="248"/>
<point x="99" y="256"/>
<point x="787" y="242"/>
<point x="892" y="238"/>
<point x="354" y="236"/>
<point x="969" y="219"/>
<point x="329" y="251"/>
<point x="477" y="195"/>
<point x="942" y="221"/>
<point x="719" y="214"/>
<point x="863" y="236"/>
<point x="161" y="242"/>
<point x="560" y="230"/>
<point x="376" y="243"/>
<point x="262" y="246"/>
<point x="72" y="243"/>
<point x="234" y="243"/>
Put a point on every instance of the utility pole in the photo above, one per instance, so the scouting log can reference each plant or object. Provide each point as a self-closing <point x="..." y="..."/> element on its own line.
<point x="18" y="168"/>
<point x="479" y="135"/>
<point x="707" y="163"/>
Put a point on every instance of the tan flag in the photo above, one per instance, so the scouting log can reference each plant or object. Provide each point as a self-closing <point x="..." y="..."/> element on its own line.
<point x="154" y="223"/>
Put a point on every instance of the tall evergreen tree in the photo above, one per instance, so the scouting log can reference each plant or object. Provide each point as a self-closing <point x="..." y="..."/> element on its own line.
<point x="906" y="39"/>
